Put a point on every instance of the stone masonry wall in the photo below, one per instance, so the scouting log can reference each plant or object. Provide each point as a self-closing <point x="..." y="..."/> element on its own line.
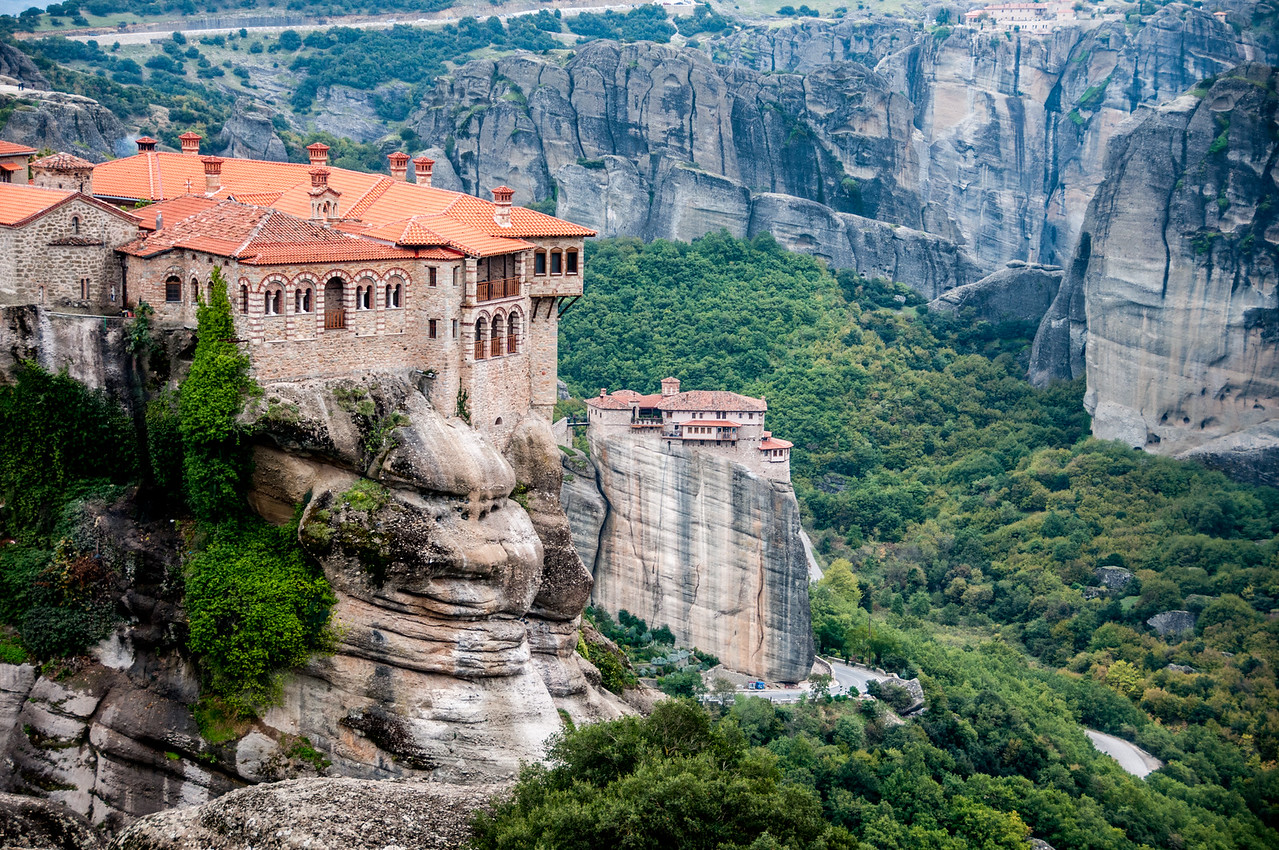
<point x="35" y="271"/>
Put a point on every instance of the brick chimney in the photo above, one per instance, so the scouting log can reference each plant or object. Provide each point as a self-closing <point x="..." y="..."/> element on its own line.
<point x="146" y="144"/>
<point x="212" y="174"/>
<point x="324" y="198"/>
<point x="319" y="154"/>
<point x="190" y="143"/>
<point x="422" y="167"/>
<point x="399" y="162"/>
<point x="502" y="205"/>
<point x="670" y="386"/>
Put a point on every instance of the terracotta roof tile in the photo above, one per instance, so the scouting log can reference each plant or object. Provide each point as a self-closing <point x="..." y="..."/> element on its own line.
<point x="712" y="400"/>
<point x="14" y="149"/>
<point x="774" y="443"/>
<point x="63" y="162"/>
<point x="19" y="202"/>
<point x="608" y="402"/>
<point x="465" y="222"/>
<point x="173" y="210"/>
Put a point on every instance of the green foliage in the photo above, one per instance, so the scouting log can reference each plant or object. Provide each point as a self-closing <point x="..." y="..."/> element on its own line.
<point x="256" y="607"/>
<point x="365" y="495"/>
<point x="164" y="442"/>
<point x="58" y="435"/>
<point x="615" y="671"/>
<point x="643" y="23"/>
<point x="212" y="396"/>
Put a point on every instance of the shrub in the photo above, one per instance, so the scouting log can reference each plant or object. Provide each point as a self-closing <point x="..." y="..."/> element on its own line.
<point x="256" y="607"/>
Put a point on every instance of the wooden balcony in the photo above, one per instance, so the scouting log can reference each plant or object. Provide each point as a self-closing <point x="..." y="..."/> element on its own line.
<point x="479" y="349"/>
<point x="334" y="319"/>
<point x="512" y="344"/>
<point x="491" y="290"/>
<point x="495" y="346"/>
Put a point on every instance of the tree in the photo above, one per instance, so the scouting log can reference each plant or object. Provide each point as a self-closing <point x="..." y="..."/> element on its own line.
<point x="212" y="396"/>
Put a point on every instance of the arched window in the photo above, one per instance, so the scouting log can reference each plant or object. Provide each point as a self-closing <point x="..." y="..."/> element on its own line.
<point x="387" y="303"/>
<point x="495" y="345"/>
<point x="75" y="224"/>
<point x="297" y="301"/>
<point x="481" y="337"/>
<point x="307" y="296"/>
<point x="570" y="261"/>
<point x="173" y="289"/>
<point x="244" y="299"/>
<point x="364" y="295"/>
<point x="513" y="334"/>
<point x="359" y="297"/>
<point x="272" y="302"/>
<point x="302" y="299"/>
<point x="557" y="262"/>
<point x="195" y="291"/>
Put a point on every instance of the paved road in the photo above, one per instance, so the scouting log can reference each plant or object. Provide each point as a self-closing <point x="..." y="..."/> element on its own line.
<point x="1131" y="758"/>
<point x="853" y="675"/>
<point x="354" y="22"/>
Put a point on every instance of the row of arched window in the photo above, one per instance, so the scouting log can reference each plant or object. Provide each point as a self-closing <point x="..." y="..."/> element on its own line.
<point x="368" y="295"/>
<point x="499" y="336"/>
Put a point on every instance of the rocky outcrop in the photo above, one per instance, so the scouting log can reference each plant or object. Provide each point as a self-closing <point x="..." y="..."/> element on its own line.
<point x="698" y="543"/>
<point x="1177" y="270"/>
<point x="249" y="133"/>
<point x="1019" y="293"/>
<point x="991" y="144"/>
<point x="62" y="122"/>
<point x="30" y="824"/>
<point x="318" y="814"/>
<point x="1172" y="623"/>
<point x="19" y="68"/>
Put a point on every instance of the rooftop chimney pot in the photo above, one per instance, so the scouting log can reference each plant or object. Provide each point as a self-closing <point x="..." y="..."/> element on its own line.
<point x="422" y="168"/>
<point x="399" y="166"/>
<point x="670" y="386"/>
<point x="319" y="153"/>
<point x="190" y="143"/>
<point x="502" y="205"/>
<point x="212" y="174"/>
<point x="146" y="144"/>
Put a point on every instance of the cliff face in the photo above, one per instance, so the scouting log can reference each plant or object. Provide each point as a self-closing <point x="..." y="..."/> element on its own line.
<point x="1177" y="273"/>
<point x="457" y="611"/>
<point x="991" y="145"/>
<point x="696" y="542"/>
<point x="63" y="122"/>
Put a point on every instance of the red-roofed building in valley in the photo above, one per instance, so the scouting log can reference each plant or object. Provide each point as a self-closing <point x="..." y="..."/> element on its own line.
<point x="724" y="423"/>
<point x="334" y="272"/>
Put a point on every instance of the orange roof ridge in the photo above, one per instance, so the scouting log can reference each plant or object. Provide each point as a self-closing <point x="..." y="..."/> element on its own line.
<point x="254" y="233"/>
<point x="379" y="187"/>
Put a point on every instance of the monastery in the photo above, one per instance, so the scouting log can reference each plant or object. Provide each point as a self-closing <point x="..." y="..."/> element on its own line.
<point x="723" y="423"/>
<point x="330" y="271"/>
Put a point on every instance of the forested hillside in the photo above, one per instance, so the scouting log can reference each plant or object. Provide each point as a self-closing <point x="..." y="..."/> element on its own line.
<point x="973" y="531"/>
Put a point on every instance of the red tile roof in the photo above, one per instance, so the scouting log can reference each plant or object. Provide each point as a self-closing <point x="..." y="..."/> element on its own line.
<point x="608" y="402"/>
<point x="20" y="203"/>
<point x="774" y="443"/>
<point x="711" y="400"/>
<point x="711" y="423"/>
<point x="173" y="211"/>
<point x="14" y="149"/>
<point x="460" y="221"/>
<point x="63" y="162"/>
<point x="259" y="236"/>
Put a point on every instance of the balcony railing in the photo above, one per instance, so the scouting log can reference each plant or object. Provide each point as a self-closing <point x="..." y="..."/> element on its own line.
<point x="491" y="290"/>
<point x="479" y="349"/>
<point x="512" y="344"/>
<point x="334" y="319"/>
<point x="495" y="346"/>
<point x="646" y="423"/>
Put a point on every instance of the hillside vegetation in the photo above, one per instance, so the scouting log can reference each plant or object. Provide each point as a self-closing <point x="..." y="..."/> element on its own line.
<point x="958" y="507"/>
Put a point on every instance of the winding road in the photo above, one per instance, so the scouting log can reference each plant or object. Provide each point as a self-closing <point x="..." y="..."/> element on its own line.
<point x="1131" y="758"/>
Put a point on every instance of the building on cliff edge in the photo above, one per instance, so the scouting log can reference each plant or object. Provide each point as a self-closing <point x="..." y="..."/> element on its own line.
<point x="723" y="423"/>
<point x="331" y="272"/>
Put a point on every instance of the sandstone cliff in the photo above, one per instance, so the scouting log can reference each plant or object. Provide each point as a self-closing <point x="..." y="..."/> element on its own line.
<point x="989" y="144"/>
<point x="1177" y="275"/>
<point x="696" y="542"/>
<point x="459" y="596"/>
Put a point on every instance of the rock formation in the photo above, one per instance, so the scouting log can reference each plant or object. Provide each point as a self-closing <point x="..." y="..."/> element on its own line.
<point x="1177" y="275"/>
<point x="62" y="122"/>
<point x="696" y="542"/>
<point x="991" y="144"/>
<point x="1019" y="293"/>
<point x="31" y="824"/>
<point x="250" y="134"/>
<point x="17" y="66"/>
<point x="319" y="814"/>
<point x="459" y="596"/>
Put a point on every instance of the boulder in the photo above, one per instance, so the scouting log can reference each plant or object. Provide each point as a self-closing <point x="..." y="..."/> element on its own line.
<point x="31" y="824"/>
<point x="1014" y="294"/>
<point x="1172" y="623"/>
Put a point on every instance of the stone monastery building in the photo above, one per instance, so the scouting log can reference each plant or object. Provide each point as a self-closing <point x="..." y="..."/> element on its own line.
<point x="724" y="423"/>
<point x="332" y="271"/>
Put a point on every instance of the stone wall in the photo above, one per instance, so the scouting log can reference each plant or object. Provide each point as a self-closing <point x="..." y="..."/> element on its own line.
<point x="44" y="261"/>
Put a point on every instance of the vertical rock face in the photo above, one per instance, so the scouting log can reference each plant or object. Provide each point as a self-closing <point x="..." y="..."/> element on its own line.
<point x="1178" y="274"/>
<point x="696" y="542"/>
<point x="63" y="122"/>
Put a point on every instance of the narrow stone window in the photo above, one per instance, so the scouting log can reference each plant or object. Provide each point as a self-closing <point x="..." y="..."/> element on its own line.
<point x="432" y="329"/>
<point x="557" y="262"/>
<point x="75" y="224"/>
<point x="570" y="261"/>
<point x="244" y="299"/>
<point x="539" y="262"/>
<point x="430" y="273"/>
<point x="173" y="290"/>
<point x="84" y="288"/>
<point x="455" y="328"/>
<point x="195" y="290"/>
<point x="456" y="275"/>
<point x="306" y="301"/>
